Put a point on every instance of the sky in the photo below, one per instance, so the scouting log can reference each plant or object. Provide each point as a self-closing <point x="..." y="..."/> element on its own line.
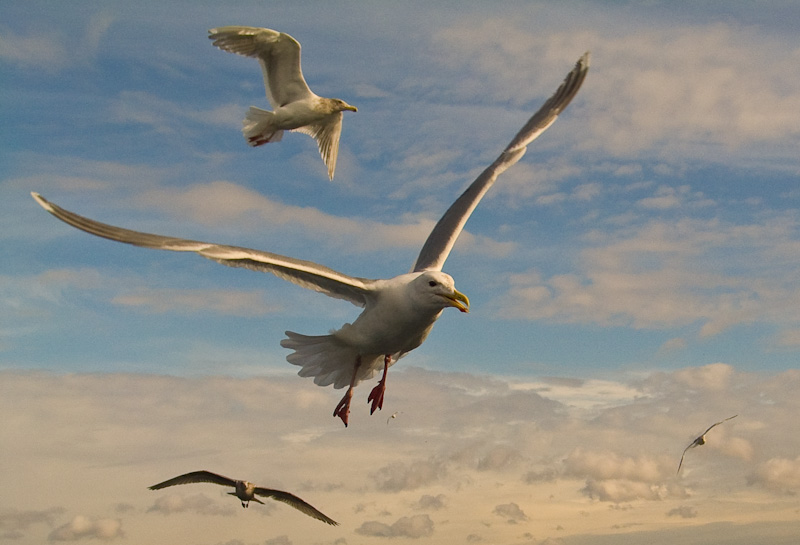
<point x="633" y="279"/>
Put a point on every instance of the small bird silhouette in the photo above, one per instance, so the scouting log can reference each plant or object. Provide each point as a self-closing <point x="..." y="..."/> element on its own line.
<point x="701" y="440"/>
<point x="246" y="492"/>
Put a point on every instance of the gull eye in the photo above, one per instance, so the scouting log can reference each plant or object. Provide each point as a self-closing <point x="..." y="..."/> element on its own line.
<point x="432" y="283"/>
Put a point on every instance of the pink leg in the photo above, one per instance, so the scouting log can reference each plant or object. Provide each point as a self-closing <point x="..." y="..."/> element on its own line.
<point x="343" y="408"/>
<point x="376" y="395"/>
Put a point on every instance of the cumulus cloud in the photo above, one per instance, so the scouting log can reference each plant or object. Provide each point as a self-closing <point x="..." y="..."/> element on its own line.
<point x="714" y="376"/>
<point x="280" y="540"/>
<point x="619" y="452"/>
<point x="413" y="527"/>
<point x="610" y="465"/>
<point x="428" y="502"/>
<point x="408" y="476"/>
<point x="499" y="457"/>
<point x="13" y="521"/>
<point x="200" y="504"/>
<point x="683" y="511"/>
<point x="511" y="512"/>
<point x="82" y="527"/>
<point x="779" y="474"/>
<point x="622" y="490"/>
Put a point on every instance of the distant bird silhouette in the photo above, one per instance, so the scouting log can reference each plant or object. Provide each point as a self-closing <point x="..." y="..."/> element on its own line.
<point x="246" y="492"/>
<point x="394" y="415"/>
<point x="701" y="440"/>
<point x="296" y="107"/>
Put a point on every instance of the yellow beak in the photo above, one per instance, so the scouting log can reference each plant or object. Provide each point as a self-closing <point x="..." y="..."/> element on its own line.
<point x="459" y="301"/>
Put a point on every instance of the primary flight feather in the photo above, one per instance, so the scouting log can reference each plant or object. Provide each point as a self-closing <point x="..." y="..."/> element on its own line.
<point x="399" y="312"/>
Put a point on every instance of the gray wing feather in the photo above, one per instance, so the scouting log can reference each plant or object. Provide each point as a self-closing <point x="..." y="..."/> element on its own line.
<point x="278" y="54"/>
<point x="302" y="273"/>
<point x="444" y="235"/>
<point x="295" y="502"/>
<point x="195" y="477"/>
<point x="327" y="136"/>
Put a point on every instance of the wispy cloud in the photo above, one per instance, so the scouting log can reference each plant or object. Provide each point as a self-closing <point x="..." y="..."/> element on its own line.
<point x="225" y="302"/>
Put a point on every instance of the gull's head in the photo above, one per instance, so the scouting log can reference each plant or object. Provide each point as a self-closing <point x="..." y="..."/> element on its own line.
<point x="341" y="105"/>
<point x="439" y="288"/>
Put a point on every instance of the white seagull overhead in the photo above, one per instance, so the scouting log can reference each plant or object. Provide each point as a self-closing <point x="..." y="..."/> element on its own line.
<point x="295" y="106"/>
<point x="246" y="492"/>
<point x="701" y="440"/>
<point x="398" y="312"/>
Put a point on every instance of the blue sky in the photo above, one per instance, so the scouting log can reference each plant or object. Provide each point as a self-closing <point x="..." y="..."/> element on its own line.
<point x="651" y="234"/>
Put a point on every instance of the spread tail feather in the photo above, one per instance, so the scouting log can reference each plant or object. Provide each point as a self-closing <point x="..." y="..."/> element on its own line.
<point x="328" y="360"/>
<point x="258" y="127"/>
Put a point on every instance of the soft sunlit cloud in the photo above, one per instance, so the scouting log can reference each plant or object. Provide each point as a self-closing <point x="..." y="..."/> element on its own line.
<point x="464" y="450"/>
<point x="651" y="278"/>
<point x="81" y="527"/>
<point x="779" y="474"/>
<point x="226" y="203"/>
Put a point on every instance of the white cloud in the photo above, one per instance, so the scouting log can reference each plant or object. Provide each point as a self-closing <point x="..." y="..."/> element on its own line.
<point x="666" y="90"/>
<point x="622" y="490"/>
<point x="401" y="476"/>
<point x="603" y="465"/>
<point x="82" y="527"/>
<point x="650" y="277"/>
<point x="224" y="203"/>
<point x="466" y="444"/>
<point x="714" y="377"/>
<point x="780" y="474"/>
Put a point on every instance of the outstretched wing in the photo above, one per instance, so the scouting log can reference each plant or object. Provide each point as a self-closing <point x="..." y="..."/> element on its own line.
<point x="195" y="477"/>
<point x="682" y="455"/>
<point x="295" y="502"/>
<point x="278" y="53"/>
<point x="303" y="273"/>
<point x="718" y="423"/>
<point x="327" y="135"/>
<point x="444" y="235"/>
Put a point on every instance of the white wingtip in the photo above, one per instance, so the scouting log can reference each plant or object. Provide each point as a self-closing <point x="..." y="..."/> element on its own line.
<point x="42" y="202"/>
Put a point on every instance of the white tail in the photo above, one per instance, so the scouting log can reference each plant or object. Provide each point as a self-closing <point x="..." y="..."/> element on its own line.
<point x="328" y="359"/>
<point x="258" y="127"/>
